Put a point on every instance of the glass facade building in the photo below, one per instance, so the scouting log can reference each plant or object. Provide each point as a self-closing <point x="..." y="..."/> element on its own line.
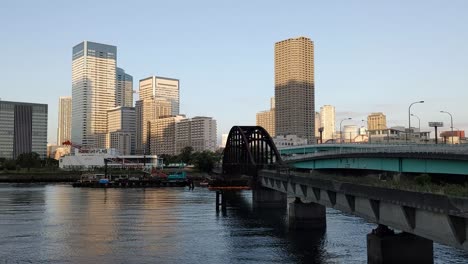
<point x="93" y="90"/>
<point x="23" y="129"/>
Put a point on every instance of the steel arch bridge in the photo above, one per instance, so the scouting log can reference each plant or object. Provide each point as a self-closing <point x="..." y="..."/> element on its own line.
<point x="249" y="149"/>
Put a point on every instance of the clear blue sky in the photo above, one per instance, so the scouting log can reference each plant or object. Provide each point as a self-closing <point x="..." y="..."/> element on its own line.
<point x="370" y="56"/>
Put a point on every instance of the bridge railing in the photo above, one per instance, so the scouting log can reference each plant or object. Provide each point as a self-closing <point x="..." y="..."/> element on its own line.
<point x="422" y="149"/>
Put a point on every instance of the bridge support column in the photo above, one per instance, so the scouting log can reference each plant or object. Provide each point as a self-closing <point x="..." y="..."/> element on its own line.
<point x="306" y="215"/>
<point x="384" y="246"/>
<point x="268" y="198"/>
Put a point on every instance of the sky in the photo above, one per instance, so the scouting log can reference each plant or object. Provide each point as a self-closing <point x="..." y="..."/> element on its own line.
<point x="370" y="56"/>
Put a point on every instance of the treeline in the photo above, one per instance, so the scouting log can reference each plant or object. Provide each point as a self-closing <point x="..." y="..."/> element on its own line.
<point x="203" y="161"/>
<point x="27" y="161"/>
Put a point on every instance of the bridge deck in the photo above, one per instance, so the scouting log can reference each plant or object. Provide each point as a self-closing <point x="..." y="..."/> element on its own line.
<point x="433" y="216"/>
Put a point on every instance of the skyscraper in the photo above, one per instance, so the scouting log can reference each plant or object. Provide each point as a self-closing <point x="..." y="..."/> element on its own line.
<point x="155" y="87"/>
<point x="294" y="88"/>
<point x="123" y="89"/>
<point x="64" y="119"/>
<point x="327" y="117"/>
<point x="23" y="129"/>
<point x="93" y="90"/>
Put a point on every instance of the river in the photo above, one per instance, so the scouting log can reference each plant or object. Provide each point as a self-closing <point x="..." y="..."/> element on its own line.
<point x="56" y="223"/>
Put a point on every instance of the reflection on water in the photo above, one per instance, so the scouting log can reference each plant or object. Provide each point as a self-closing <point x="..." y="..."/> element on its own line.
<point x="60" y="224"/>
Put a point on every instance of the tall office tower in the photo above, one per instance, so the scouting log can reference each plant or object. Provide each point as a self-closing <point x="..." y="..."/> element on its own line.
<point x="376" y="121"/>
<point x="121" y="126"/>
<point x="93" y="90"/>
<point x="198" y="132"/>
<point x="23" y="129"/>
<point x="155" y="87"/>
<point x="327" y="118"/>
<point x="294" y="88"/>
<point x="123" y="89"/>
<point x="146" y="111"/>
<point x="162" y="131"/>
<point x="318" y="124"/>
<point x="64" y="119"/>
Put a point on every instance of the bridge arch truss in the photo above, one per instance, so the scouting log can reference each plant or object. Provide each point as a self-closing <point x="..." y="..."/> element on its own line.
<point x="248" y="149"/>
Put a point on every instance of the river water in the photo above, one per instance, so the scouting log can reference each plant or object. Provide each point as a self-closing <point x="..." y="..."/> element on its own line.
<point x="56" y="223"/>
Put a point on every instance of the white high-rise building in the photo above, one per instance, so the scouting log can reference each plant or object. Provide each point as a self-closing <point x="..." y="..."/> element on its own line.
<point x="224" y="138"/>
<point x="155" y="87"/>
<point x="64" y="119"/>
<point x="122" y="129"/>
<point x="327" y="118"/>
<point x="123" y="89"/>
<point x="198" y="132"/>
<point x="318" y="124"/>
<point x="93" y="90"/>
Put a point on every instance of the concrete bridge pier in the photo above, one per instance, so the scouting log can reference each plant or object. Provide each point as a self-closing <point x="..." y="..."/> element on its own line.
<point x="384" y="246"/>
<point x="306" y="216"/>
<point x="268" y="198"/>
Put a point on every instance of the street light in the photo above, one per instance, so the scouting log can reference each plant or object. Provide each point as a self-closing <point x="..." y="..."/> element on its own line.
<point x="409" y="117"/>
<point x="451" y="123"/>
<point x="419" y="125"/>
<point x="419" y="122"/>
<point x="341" y="132"/>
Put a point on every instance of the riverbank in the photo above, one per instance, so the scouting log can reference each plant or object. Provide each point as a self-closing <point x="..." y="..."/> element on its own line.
<point x="24" y="176"/>
<point x="27" y="177"/>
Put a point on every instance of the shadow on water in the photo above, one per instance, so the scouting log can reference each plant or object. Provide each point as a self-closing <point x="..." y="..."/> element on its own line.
<point x="303" y="246"/>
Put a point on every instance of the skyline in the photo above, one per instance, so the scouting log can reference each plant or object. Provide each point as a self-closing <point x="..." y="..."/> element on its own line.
<point x="212" y="51"/>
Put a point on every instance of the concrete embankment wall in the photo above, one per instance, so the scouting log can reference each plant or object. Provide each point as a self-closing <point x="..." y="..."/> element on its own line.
<point x="40" y="177"/>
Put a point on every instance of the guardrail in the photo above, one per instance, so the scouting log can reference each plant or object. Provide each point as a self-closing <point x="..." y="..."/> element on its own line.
<point x="423" y="149"/>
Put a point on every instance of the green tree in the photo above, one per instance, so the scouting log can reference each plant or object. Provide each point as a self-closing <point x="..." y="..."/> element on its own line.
<point x="204" y="161"/>
<point x="28" y="160"/>
<point x="9" y="164"/>
<point x="185" y="155"/>
<point x="168" y="159"/>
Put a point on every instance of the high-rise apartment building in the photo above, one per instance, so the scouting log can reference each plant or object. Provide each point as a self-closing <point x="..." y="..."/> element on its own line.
<point x="155" y="87"/>
<point x="64" y="119"/>
<point x="23" y="129"/>
<point x="121" y="126"/>
<point x="266" y="119"/>
<point x="327" y="118"/>
<point x="376" y="121"/>
<point x="123" y="89"/>
<point x="198" y="132"/>
<point x="294" y="88"/>
<point x="318" y="124"/>
<point x="93" y="90"/>
<point x="162" y="135"/>
<point x="146" y="111"/>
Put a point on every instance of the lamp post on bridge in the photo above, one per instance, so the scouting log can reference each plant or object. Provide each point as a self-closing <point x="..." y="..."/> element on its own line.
<point x="341" y="132"/>
<point x="419" y="125"/>
<point x="409" y="117"/>
<point x="451" y="123"/>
